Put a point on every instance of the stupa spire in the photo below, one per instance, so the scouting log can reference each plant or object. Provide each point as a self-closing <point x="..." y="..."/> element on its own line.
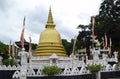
<point x="50" y="19"/>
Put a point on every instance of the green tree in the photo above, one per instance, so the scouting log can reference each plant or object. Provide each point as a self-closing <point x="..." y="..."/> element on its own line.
<point x="108" y="21"/>
<point x="34" y="45"/>
<point x="3" y="49"/>
<point x="68" y="46"/>
<point x="84" y="38"/>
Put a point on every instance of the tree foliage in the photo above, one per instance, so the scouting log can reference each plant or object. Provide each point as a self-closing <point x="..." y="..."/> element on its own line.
<point x="3" y="49"/>
<point x="108" y="21"/>
<point x="34" y="45"/>
<point x="84" y="37"/>
<point x="68" y="46"/>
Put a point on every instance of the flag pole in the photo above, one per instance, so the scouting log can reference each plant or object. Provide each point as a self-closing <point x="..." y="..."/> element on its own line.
<point x="9" y="52"/>
<point x="93" y="34"/>
<point x="30" y="47"/>
<point x="110" y="45"/>
<point x="22" y="34"/>
<point x="9" y="49"/>
<point x="13" y="52"/>
<point x="93" y="24"/>
<point x="105" y="40"/>
<point x="75" y="39"/>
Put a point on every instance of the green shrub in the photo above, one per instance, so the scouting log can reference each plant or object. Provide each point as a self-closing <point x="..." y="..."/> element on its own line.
<point x="118" y="64"/>
<point x="9" y="62"/>
<point x="51" y="70"/>
<point x="94" y="68"/>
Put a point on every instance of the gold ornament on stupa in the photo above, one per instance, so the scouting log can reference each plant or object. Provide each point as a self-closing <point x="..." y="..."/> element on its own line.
<point x="50" y="41"/>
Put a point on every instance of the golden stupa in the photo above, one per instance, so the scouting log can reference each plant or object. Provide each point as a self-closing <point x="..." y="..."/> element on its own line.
<point x="50" y="41"/>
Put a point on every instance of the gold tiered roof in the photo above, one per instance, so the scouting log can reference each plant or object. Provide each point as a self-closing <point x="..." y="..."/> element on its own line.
<point x="50" y="40"/>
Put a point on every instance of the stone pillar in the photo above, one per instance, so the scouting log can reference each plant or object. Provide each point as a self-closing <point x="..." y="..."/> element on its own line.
<point x="24" y="55"/>
<point x="95" y="53"/>
<point x="116" y="56"/>
<point x="23" y="70"/>
<point x="104" y="57"/>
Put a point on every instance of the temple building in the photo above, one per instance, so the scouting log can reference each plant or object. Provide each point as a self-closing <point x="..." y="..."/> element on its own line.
<point x="50" y="52"/>
<point x="50" y="40"/>
<point x="50" y="49"/>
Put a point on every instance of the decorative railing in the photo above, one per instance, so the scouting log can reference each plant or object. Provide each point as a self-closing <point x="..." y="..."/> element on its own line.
<point x="67" y="70"/>
<point x="72" y="71"/>
<point x="4" y="67"/>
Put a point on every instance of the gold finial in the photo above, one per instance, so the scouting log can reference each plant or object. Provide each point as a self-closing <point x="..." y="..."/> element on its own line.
<point x="50" y="19"/>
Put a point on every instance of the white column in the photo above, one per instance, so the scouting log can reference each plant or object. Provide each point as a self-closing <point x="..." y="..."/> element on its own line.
<point x="23" y="70"/>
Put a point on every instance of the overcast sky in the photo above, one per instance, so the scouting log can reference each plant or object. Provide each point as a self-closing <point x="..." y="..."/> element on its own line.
<point x="67" y="15"/>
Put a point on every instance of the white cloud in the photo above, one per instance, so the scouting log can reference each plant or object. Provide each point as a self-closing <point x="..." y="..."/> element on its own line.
<point x="67" y="15"/>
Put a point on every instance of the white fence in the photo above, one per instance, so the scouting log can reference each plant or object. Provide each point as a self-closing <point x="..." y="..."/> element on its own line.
<point x="66" y="72"/>
<point x="4" y="67"/>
